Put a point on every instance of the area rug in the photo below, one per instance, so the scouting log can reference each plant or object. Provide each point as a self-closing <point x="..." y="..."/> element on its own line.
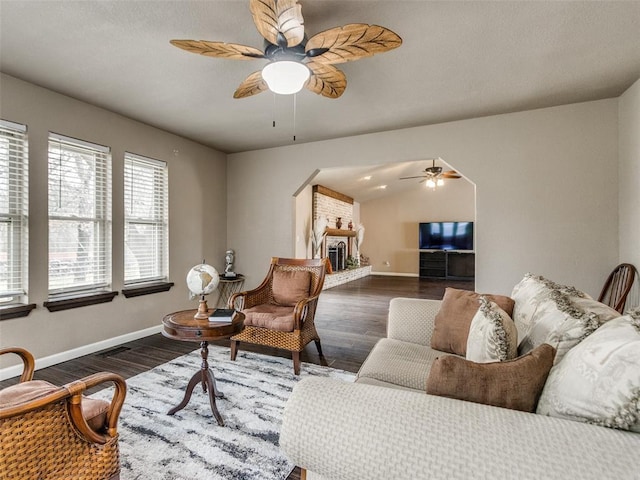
<point x="190" y="444"/>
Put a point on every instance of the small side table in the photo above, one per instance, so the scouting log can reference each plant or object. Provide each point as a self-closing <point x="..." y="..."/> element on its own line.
<point x="182" y="326"/>
<point x="227" y="287"/>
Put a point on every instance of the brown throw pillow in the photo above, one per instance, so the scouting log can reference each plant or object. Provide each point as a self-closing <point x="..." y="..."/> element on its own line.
<point x="290" y="286"/>
<point x="452" y="322"/>
<point x="515" y="384"/>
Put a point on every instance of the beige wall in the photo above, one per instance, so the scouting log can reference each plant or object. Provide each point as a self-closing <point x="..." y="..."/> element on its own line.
<point x="391" y="222"/>
<point x="197" y="217"/>
<point x="629" y="135"/>
<point x="303" y="205"/>
<point x="546" y="190"/>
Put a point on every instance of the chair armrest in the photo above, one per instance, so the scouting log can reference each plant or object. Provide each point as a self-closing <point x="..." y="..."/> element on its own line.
<point x="342" y="430"/>
<point x="301" y="310"/>
<point x="77" y="388"/>
<point x="27" y="360"/>
<point x="412" y="319"/>
<point x="249" y="298"/>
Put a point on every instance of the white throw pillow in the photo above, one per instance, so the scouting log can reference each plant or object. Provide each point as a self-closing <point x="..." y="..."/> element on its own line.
<point x="562" y="316"/>
<point x="599" y="380"/>
<point x="492" y="335"/>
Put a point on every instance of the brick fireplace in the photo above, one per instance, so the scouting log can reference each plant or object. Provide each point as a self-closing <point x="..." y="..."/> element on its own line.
<point x="337" y="208"/>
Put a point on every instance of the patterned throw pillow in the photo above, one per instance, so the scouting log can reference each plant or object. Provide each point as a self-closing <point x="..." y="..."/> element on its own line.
<point x="562" y="316"/>
<point x="452" y="322"/>
<point x="492" y="335"/>
<point x="599" y="380"/>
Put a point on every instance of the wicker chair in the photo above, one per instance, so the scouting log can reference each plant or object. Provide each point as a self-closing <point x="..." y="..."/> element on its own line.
<point x="299" y="328"/>
<point x="617" y="287"/>
<point x="54" y="433"/>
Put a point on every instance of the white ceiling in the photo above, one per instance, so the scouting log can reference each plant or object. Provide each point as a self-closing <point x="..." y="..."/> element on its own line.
<point x="459" y="59"/>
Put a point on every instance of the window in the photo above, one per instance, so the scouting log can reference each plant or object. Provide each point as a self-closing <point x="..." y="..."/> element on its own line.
<point x="146" y="229"/>
<point x="79" y="216"/>
<point x="13" y="211"/>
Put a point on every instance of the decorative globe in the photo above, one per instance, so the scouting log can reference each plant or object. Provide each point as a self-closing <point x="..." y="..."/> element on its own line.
<point x="202" y="279"/>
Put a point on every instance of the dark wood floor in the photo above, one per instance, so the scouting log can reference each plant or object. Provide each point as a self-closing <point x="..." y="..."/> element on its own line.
<point x="350" y="319"/>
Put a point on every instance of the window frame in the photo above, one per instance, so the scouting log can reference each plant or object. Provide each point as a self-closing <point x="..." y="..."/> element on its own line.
<point x="16" y="217"/>
<point x="101" y="220"/>
<point x="158" y="219"/>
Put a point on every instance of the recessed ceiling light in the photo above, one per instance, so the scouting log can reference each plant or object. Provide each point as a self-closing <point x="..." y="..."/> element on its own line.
<point x="382" y="187"/>
<point x="368" y="177"/>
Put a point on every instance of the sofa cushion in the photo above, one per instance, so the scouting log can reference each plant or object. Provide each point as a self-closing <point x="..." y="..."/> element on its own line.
<point x="290" y="286"/>
<point x="514" y="384"/>
<point x="273" y="317"/>
<point x="562" y="316"/>
<point x="454" y="319"/>
<point x="492" y="334"/>
<point x="400" y="363"/>
<point x="599" y="380"/>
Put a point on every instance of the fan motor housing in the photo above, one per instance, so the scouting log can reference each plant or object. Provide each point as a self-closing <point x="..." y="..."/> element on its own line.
<point x="276" y="53"/>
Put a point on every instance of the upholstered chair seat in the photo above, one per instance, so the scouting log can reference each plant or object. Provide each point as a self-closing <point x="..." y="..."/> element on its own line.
<point x="268" y="315"/>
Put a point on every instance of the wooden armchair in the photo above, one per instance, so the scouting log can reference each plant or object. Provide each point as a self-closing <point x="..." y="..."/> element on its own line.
<point x="280" y="311"/>
<point x="54" y="433"/>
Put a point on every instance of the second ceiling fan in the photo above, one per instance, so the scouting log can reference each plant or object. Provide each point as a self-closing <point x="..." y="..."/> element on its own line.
<point x="434" y="175"/>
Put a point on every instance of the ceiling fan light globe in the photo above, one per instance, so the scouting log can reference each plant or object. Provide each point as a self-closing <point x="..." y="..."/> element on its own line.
<point x="431" y="183"/>
<point x="439" y="182"/>
<point x="285" y="77"/>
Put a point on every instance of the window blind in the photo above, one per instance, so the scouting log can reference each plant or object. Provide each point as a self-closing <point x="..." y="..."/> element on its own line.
<point x="79" y="215"/>
<point x="14" y="186"/>
<point x="146" y="232"/>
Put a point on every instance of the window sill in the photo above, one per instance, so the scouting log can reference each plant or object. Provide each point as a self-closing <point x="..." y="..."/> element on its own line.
<point x="76" y="301"/>
<point x="16" y="311"/>
<point x="147" y="289"/>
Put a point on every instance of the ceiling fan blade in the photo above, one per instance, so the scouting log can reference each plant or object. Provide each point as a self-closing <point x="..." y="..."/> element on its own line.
<point x="326" y="80"/>
<point x="407" y="178"/>
<point x="351" y="42"/>
<point x="274" y="18"/>
<point x="252" y="85"/>
<point x="451" y="174"/>
<point x="218" y="49"/>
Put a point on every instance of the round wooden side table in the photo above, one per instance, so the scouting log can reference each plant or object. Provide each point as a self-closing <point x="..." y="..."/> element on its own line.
<point x="182" y="326"/>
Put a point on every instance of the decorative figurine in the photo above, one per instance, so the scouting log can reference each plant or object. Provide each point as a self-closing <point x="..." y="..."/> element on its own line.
<point x="228" y="269"/>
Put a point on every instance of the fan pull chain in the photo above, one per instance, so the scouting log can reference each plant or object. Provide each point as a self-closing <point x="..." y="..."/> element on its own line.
<point x="273" y="111"/>
<point x="295" y="96"/>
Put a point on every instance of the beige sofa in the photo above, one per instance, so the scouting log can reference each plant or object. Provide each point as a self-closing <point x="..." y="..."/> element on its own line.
<point x="384" y="426"/>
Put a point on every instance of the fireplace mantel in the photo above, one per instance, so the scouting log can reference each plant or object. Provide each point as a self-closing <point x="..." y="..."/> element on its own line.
<point x="336" y="232"/>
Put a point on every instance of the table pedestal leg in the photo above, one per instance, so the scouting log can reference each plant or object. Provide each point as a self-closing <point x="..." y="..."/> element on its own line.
<point x="208" y="380"/>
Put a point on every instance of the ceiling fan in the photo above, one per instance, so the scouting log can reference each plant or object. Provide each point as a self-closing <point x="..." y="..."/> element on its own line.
<point x="434" y="175"/>
<point x="291" y="55"/>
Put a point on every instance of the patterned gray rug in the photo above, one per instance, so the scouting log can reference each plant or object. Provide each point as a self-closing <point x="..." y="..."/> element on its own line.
<point x="190" y="444"/>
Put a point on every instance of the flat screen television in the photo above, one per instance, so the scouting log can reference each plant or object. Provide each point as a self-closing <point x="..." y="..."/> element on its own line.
<point x="446" y="236"/>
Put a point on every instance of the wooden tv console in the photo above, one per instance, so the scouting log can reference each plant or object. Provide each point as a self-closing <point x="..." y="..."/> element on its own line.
<point x="447" y="264"/>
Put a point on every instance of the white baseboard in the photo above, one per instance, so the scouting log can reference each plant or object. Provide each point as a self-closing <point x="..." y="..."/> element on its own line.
<point x="395" y="274"/>
<point x="56" y="358"/>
